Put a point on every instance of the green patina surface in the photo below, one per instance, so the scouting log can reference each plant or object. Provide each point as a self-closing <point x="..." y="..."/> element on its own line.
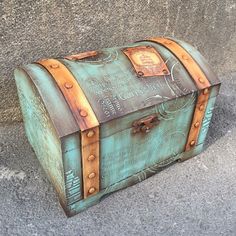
<point x="118" y="98"/>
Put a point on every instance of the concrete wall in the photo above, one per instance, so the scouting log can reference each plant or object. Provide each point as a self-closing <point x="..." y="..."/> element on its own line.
<point x="30" y="30"/>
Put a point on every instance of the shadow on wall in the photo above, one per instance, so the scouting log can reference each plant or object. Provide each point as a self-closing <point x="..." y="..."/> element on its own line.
<point x="224" y="115"/>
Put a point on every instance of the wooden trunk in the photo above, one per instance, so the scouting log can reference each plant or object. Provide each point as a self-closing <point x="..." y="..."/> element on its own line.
<point x="103" y="120"/>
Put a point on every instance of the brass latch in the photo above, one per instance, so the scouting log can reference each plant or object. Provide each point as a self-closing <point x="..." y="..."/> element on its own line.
<point x="145" y="124"/>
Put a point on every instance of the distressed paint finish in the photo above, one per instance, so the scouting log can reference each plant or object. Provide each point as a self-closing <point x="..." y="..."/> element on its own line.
<point x="73" y="94"/>
<point x="199" y="79"/>
<point x="135" y="152"/>
<point x="131" y="180"/>
<point x="85" y="118"/>
<point x="114" y="89"/>
<point x="48" y="91"/>
<point x="206" y="120"/>
<point x="118" y="96"/>
<point x="146" y="61"/>
<point x="201" y="61"/>
<point x="59" y="157"/>
<point x="72" y="167"/>
<point x="40" y="132"/>
<point x="189" y="63"/>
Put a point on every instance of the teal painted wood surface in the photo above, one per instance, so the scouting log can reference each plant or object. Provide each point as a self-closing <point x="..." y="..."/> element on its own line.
<point x="124" y="154"/>
<point x="41" y="132"/>
<point x="72" y="167"/>
<point x="53" y="100"/>
<point x="112" y="86"/>
<point x="118" y="98"/>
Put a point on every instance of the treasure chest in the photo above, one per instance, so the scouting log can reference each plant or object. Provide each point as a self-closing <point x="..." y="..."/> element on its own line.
<point x="103" y="120"/>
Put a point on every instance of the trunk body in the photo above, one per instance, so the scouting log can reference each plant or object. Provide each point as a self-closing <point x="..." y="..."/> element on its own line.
<point x="148" y="113"/>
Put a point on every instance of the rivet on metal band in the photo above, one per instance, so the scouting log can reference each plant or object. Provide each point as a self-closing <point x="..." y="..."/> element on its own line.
<point x="201" y="82"/>
<point x="90" y="160"/>
<point x="85" y="118"/>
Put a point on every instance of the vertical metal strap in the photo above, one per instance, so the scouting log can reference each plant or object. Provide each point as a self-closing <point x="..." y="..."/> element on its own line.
<point x="85" y="118"/>
<point x="201" y="82"/>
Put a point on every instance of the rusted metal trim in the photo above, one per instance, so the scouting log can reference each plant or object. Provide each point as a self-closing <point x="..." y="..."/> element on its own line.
<point x="145" y="124"/>
<point x="197" y="119"/>
<point x="81" y="55"/>
<point x="185" y="58"/>
<point x="90" y="161"/>
<point x="201" y="82"/>
<point x="85" y="118"/>
<point x="146" y="61"/>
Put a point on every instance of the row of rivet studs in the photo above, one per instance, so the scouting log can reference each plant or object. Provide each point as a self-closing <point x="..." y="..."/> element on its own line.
<point x="91" y="158"/>
<point x="205" y="91"/>
<point x="201" y="108"/>
<point x="90" y="134"/>
<point x="82" y="113"/>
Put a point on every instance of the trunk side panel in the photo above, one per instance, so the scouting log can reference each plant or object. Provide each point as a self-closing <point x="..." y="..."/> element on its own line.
<point x="206" y="121"/>
<point x="72" y="166"/>
<point x="41" y="132"/>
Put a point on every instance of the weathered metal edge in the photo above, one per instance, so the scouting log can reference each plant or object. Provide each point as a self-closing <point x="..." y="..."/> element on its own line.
<point x="86" y="120"/>
<point x="200" y="60"/>
<point x="201" y="82"/>
<point x="186" y="59"/>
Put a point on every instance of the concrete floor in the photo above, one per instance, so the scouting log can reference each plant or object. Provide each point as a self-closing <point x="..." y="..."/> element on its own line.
<point x="197" y="197"/>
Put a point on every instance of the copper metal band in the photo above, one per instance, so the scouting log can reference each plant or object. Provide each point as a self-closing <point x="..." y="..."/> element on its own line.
<point x="201" y="82"/>
<point x="86" y="120"/>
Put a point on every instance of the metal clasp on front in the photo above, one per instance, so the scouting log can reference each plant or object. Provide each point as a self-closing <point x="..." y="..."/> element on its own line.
<point x="145" y="124"/>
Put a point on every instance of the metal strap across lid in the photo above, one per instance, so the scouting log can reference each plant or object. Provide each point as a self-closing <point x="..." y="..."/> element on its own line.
<point x="86" y="120"/>
<point x="199" y="79"/>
